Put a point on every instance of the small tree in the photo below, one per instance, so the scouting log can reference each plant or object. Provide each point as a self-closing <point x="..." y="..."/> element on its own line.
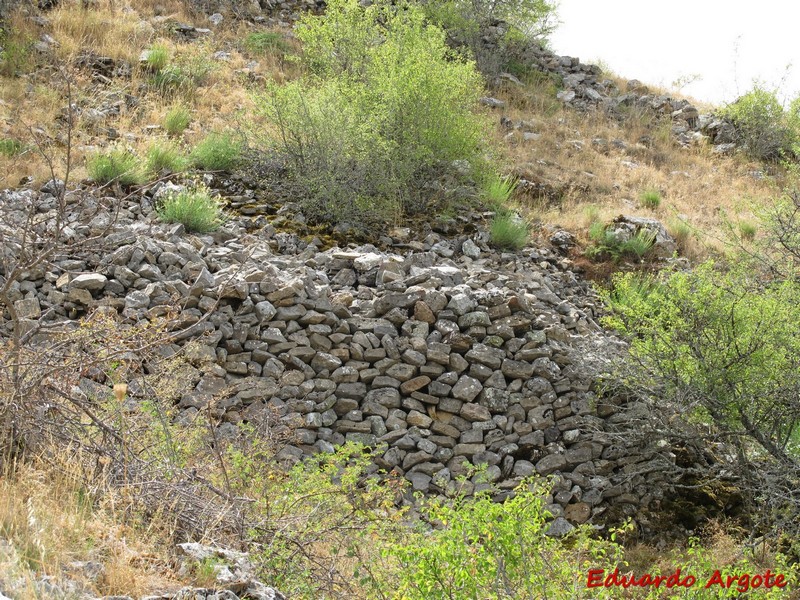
<point x="387" y="108"/>
<point x="761" y="124"/>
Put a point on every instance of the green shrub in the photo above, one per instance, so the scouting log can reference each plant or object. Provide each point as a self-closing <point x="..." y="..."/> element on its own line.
<point x="497" y="191"/>
<point x="508" y="231"/>
<point x="479" y="548"/>
<point x="157" y="58"/>
<point x="217" y="152"/>
<point x="762" y="126"/>
<point x="117" y="165"/>
<point x="10" y="147"/>
<point x="177" y="120"/>
<point x="726" y="342"/>
<point x="387" y="112"/>
<point x="266" y="42"/>
<point x="650" y="199"/>
<point x="161" y="157"/>
<point x="195" y="208"/>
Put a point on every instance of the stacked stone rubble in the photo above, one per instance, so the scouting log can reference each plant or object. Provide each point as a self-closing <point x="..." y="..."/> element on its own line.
<point x="438" y="351"/>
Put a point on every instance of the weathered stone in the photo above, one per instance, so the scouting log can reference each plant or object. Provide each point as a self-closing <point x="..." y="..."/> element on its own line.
<point x="89" y="281"/>
<point x="475" y="412"/>
<point x="467" y="388"/>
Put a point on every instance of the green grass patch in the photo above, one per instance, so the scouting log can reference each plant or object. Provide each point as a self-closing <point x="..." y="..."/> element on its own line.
<point x="117" y="165"/>
<point x="681" y="231"/>
<point x="650" y="199"/>
<point x="165" y="157"/>
<point x="195" y="208"/>
<point x="266" y="42"/>
<point x="10" y="147"/>
<point x="157" y="58"/>
<point x="177" y="120"/>
<point x="181" y="78"/>
<point x="508" y="231"/>
<point x="217" y="152"/>
<point x="606" y="243"/>
<point x="497" y="190"/>
<point x="748" y="230"/>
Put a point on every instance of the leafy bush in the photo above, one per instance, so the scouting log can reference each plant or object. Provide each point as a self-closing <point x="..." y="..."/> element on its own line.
<point x="167" y="157"/>
<point x="217" y="152"/>
<point x="117" y="165"/>
<point x="650" y="199"/>
<point x="10" y="147"/>
<point x="266" y="42"/>
<point x="177" y="120"/>
<point x="723" y="340"/>
<point x="480" y="548"/>
<point x="386" y="111"/>
<point x="767" y="132"/>
<point x="195" y="208"/>
<point x="508" y="231"/>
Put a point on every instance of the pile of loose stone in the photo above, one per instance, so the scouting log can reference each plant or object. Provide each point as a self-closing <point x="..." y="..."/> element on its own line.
<point x="437" y="350"/>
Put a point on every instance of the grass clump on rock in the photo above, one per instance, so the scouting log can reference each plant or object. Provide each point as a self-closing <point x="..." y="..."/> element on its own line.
<point x="195" y="208"/>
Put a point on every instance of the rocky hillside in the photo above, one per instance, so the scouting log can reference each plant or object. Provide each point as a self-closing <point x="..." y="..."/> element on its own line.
<point x="431" y="344"/>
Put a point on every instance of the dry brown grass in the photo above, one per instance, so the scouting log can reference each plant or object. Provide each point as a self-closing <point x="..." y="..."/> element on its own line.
<point x="35" y="101"/>
<point x="572" y="169"/>
<point x="50" y="522"/>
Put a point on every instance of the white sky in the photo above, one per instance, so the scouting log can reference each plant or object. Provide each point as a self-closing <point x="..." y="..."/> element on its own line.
<point x="728" y="43"/>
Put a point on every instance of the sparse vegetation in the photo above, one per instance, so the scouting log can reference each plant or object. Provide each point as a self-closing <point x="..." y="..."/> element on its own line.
<point x="118" y="165"/>
<point x="381" y="127"/>
<point x="263" y="42"/>
<point x="195" y="208"/>
<point x="177" y="120"/>
<point x="217" y="152"/>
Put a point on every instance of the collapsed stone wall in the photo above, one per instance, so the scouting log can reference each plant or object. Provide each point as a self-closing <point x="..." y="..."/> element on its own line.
<point x="440" y="349"/>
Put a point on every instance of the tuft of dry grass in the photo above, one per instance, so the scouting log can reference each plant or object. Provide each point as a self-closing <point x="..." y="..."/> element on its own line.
<point x="51" y="524"/>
